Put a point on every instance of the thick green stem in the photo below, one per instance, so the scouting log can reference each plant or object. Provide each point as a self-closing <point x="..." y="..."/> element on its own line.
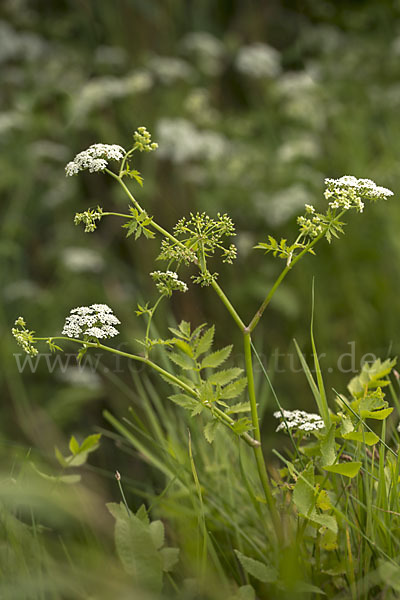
<point x="262" y="471"/>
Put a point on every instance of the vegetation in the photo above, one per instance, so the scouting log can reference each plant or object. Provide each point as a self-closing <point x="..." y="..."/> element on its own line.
<point x="150" y="465"/>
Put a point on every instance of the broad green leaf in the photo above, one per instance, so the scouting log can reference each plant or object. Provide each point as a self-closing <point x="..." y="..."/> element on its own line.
<point x="303" y="493"/>
<point x="328" y="540"/>
<point x="370" y="376"/>
<point x="328" y="451"/>
<point x="136" y="550"/>
<point x="142" y="514"/>
<point x="348" y="469"/>
<point x="379" y="415"/>
<point x="308" y="588"/>
<point x="323" y="501"/>
<point x="246" y="592"/>
<point x="367" y="437"/>
<point x="182" y="360"/>
<point x="156" y="529"/>
<point x="232" y="390"/>
<point x="215" y="359"/>
<point x="73" y="445"/>
<point x="390" y="574"/>
<point x="205" y="342"/>
<point x="327" y="521"/>
<point x="91" y="443"/>
<point x="184" y="401"/>
<point x="225" y="376"/>
<point x="169" y="558"/>
<point x="210" y="430"/>
<point x="78" y="460"/>
<point x="257" y="569"/>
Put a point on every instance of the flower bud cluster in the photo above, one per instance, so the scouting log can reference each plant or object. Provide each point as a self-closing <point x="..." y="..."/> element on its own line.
<point x="299" y="419"/>
<point x="89" y="218"/>
<point x="24" y="337"/>
<point x="95" y="321"/>
<point x="95" y="158"/>
<point x="168" y="282"/>
<point x="143" y="141"/>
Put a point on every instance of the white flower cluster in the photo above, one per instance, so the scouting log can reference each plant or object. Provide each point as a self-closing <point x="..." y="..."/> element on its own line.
<point x="24" y="337"/>
<point x="95" y="321"/>
<point x="168" y="282"/>
<point x="95" y="158"/>
<point x="299" y="419"/>
<point x="258" y="60"/>
<point x="349" y="192"/>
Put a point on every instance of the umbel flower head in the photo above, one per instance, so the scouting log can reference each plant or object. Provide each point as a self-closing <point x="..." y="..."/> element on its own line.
<point x="299" y="419"/>
<point x="95" y="158"/>
<point x="95" y="321"/>
<point x="349" y="192"/>
<point x="24" y="337"/>
<point x="168" y="282"/>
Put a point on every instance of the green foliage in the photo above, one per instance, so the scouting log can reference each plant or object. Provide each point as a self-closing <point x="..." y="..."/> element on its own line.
<point x="140" y="547"/>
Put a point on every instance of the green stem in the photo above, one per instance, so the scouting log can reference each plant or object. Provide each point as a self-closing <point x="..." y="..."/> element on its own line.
<point x="262" y="471"/>
<point x="260" y="311"/>
<point x="152" y="311"/>
<point x="172" y="378"/>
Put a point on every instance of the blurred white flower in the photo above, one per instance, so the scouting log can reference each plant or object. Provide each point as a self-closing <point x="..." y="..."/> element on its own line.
<point x="278" y="208"/>
<point x="81" y="260"/>
<point x="207" y="49"/>
<point x="304" y="148"/>
<point x="80" y="376"/>
<point x="258" y="60"/>
<point x="169" y="69"/>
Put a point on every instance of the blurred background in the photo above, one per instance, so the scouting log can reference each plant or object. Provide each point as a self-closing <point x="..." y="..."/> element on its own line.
<point x="253" y="104"/>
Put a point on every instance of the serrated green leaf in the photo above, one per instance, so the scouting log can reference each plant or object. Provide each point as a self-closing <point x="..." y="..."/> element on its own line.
<point x="185" y="347"/>
<point x="348" y="469"/>
<point x="205" y="342"/>
<point x="327" y="521"/>
<point x="323" y="501"/>
<point x="242" y="425"/>
<point x="184" y="401"/>
<point x="238" y="408"/>
<point x="157" y="533"/>
<point x="225" y="376"/>
<point x="210" y="430"/>
<point x="169" y="557"/>
<point x="257" y="569"/>
<point x="328" y="541"/>
<point x="182" y="360"/>
<point x="233" y="390"/>
<point x="367" y="437"/>
<point x="215" y="359"/>
<point x="246" y="592"/>
<point x="184" y="327"/>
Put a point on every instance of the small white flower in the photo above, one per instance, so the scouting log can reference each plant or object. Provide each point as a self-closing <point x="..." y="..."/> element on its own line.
<point x="299" y="419"/>
<point x="95" y="321"/>
<point x="258" y="60"/>
<point x="95" y="158"/>
<point x="168" y="282"/>
<point x="349" y="192"/>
